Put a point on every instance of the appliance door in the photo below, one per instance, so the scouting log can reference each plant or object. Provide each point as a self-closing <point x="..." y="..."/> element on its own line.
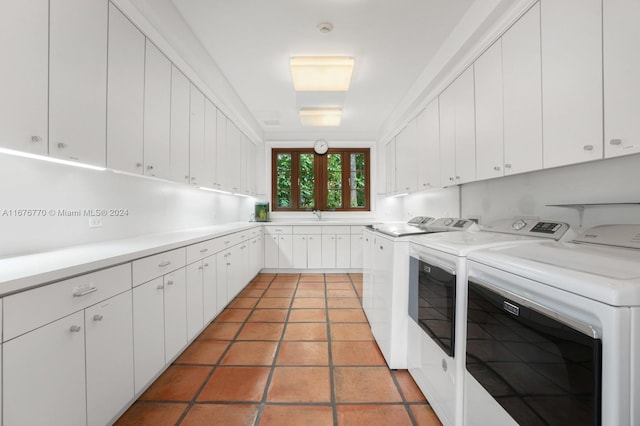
<point x="432" y="301"/>
<point x="540" y="367"/>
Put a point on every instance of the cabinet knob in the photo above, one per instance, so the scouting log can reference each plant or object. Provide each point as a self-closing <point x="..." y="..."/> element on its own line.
<point x="193" y="178"/>
<point x="36" y="138"/>
<point x="170" y="282"/>
<point x="615" y="142"/>
<point x="200" y="267"/>
<point x="204" y="250"/>
<point x="62" y="145"/>
<point x="451" y="179"/>
<point x="164" y="263"/>
<point x="588" y="147"/>
<point x="507" y="166"/>
<point x="138" y="165"/>
<point x="381" y="248"/>
<point x="97" y="317"/>
<point x="75" y="328"/>
<point x="496" y="168"/>
<point x="149" y="167"/>
<point x="186" y="177"/>
<point x="206" y="265"/>
<point x="160" y="286"/>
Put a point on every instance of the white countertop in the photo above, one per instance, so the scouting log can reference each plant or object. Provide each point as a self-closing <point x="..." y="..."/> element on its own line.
<point x="323" y="222"/>
<point x="24" y="272"/>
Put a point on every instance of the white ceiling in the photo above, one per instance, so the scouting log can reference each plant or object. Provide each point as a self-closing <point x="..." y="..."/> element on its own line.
<point x="392" y="42"/>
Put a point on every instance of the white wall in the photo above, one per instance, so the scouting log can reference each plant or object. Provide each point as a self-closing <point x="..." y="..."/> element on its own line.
<point x="153" y="205"/>
<point x="607" y="181"/>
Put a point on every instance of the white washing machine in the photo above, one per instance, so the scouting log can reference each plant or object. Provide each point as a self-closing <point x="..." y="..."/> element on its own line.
<point x="554" y="331"/>
<point x="437" y="304"/>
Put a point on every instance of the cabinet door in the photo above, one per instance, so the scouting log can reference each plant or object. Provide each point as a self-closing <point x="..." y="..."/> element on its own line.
<point x="78" y="88"/>
<point x="465" y="127"/>
<point x="180" y="104"/>
<point x="157" y="113"/>
<point x="24" y="75"/>
<point x="195" y="307"/>
<point x="428" y="140"/>
<point x="447" y="106"/>
<point x="256" y="255"/>
<point x="221" y="179"/>
<point x="210" y="144"/>
<point x="233" y="156"/>
<point x="222" y="295"/>
<point x="285" y="249"/>
<point x="356" y="251"/>
<point x="125" y="94"/>
<point x="196" y="138"/>
<point x="314" y="251"/>
<point x="391" y="187"/>
<point x="234" y="271"/>
<point x="367" y="273"/>
<point x="406" y="160"/>
<point x="522" y="85"/>
<point x="300" y="251"/>
<point x="148" y="331"/>
<point x="109" y="347"/>
<point x="271" y="251"/>
<point x="175" y="313"/>
<point x="621" y="41"/>
<point x="382" y="297"/>
<point x="328" y="251"/>
<point x="343" y="251"/>
<point x="571" y="33"/>
<point x="243" y="269"/>
<point x="46" y="365"/>
<point x="209" y="288"/>
<point x="489" y="113"/>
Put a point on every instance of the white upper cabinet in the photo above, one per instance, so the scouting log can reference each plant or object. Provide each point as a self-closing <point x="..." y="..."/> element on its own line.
<point x="180" y="104"/>
<point x="390" y="167"/>
<point x="428" y="141"/>
<point x="621" y="83"/>
<point x="447" y="105"/>
<point x="197" y="157"/>
<point x="78" y="80"/>
<point x="489" y="113"/>
<point x="210" y="144"/>
<point x="125" y="94"/>
<point x="221" y="179"/>
<point x="24" y="79"/>
<point x="571" y="33"/>
<point x="157" y="113"/>
<point x="406" y="159"/>
<point x="522" y="85"/>
<point x="233" y="154"/>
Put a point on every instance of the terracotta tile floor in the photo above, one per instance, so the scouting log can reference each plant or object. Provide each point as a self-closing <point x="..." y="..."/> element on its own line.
<point x="291" y="349"/>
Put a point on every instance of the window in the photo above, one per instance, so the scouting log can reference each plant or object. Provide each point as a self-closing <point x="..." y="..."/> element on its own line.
<point x="303" y="180"/>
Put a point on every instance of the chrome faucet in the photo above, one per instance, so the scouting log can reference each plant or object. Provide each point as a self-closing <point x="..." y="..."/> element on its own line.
<point x="318" y="213"/>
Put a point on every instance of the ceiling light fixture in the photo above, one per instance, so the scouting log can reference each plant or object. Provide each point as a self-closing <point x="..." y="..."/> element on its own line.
<point x="321" y="73"/>
<point x="323" y="117"/>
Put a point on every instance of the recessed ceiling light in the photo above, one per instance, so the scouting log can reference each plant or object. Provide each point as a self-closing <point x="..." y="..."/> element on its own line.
<point x="321" y="73"/>
<point x="323" y="117"/>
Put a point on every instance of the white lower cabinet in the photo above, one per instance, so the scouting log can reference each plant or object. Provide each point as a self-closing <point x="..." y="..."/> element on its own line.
<point x="328" y="251"/>
<point x="367" y="271"/>
<point x="343" y="251"/>
<point x="175" y="313"/>
<point x="223" y="261"/>
<point x="148" y="331"/>
<point x="357" y="247"/>
<point x="46" y="367"/>
<point x="194" y="302"/>
<point x="109" y="357"/>
<point x="209" y="289"/>
<point x="278" y="251"/>
<point x="256" y="255"/>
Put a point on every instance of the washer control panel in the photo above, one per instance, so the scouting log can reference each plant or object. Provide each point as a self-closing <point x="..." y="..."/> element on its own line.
<point x="532" y="227"/>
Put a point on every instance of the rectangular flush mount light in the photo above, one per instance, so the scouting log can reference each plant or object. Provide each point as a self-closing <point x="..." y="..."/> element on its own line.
<point x="320" y="116"/>
<point x="321" y="73"/>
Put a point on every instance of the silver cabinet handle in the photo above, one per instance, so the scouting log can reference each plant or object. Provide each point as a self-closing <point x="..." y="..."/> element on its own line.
<point x="204" y="250"/>
<point x="186" y="177"/>
<point x="496" y="168"/>
<point x="227" y="242"/>
<point x="97" y="317"/>
<point x="458" y="177"/>
<point x="164" y="263"/>
<point x="588" y="147"/>
<point x="201" y="267"/>
<point x="84" y="291"/>
<point x="62" y="145"/>
<point x="228" y="264"/>
<point x="75" y="328"/>
<point x="507" y="166"/>
<point x="36" y="138"/>
<point x="206" y="265"/>
<point x="170" y="282"/>
<point x="160" y="286"/>
<point x="138" y="165"/>
<point x="193" y="178"/>
<point x="615" y="142"/>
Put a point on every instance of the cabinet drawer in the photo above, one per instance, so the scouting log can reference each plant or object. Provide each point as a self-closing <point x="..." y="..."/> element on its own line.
<point x="34" y="308"/>
<point x="201" y="250"/>
<point x="356" y="230"/>
<point x="307" y="230"/>
<point x="224" y="242"/>
<point x="254" y="232"/>
<point x="336" y="230"/>
<point x="275" y="230"/>
<point x="157" y="265"/>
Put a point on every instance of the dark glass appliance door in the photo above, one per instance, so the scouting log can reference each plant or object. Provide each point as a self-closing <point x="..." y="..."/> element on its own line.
<point x="539" y="369"/>
<point x="432" y="301"/>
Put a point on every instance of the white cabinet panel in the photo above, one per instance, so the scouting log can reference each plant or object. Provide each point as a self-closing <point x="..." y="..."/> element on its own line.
<point x="621" y="40"/>
<point x="180" y="103"/>
<point x="314" y="251"/>
<point x="209" y="289"/>
<point x="465" y="128"/>
<point x="125" y="94"/>
<point x="447" y="106"/>
<point x="148" y="331"/>
<point x="109" y="354"/>
<point x="356" y="251"/>
<point x="233" y="156"/>
<point x="197" y="158"/>
<point x="489" y="113"/>
<point x="367" y="273"/>
<point x="222" y="268"/>
<point x="256" y="253"/>
<point x="428" y="140"/>
<point x="299" y="251"/>
<point x="406" y="159"/>
<point x="343" y="251"/>
<point x="157" y="113"/>
<point x="285" y="249"/>
<point x="194" y="302"/>
<point x="328" y="251"/>
<point x="571" y="33"/>
<point x="522" y="85"/>
<point x="210" y="144"/>
<point x="391" y="187"/>
<point x="221" y="179"/>
<point x="78" y="88"/>
<point x="46" y="365"/>
<point x="24" y="78"/>
<point x="175" y="313"/>
<point x="271" y="251"/>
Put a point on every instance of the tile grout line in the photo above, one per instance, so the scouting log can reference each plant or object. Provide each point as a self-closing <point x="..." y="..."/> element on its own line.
<point x="332" y="380"/>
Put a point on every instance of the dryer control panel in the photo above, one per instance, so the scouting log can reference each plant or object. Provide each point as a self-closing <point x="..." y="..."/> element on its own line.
<point x="533" y="227"/>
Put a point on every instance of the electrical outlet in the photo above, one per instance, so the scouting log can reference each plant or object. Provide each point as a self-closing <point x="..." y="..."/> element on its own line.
<point x="95" y="222"/>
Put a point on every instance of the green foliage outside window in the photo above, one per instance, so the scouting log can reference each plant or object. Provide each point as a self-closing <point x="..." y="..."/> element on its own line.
<point x="307" y="181"/>
<point x="283" y="185"/>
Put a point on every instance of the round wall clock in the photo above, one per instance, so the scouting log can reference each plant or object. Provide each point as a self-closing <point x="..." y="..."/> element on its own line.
<point x="321" y="146"/>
